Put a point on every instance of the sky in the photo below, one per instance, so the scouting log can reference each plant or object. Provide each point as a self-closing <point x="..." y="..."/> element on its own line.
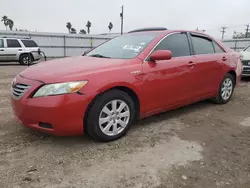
<point x="52" y="15"/>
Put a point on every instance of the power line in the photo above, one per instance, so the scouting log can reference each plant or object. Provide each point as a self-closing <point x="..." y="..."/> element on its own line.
<point x="223" y="31"/>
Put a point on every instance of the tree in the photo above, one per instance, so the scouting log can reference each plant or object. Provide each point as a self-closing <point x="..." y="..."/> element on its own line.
<point x="239" y="35"/>
<point x="73" y="31"/>
<point x="69" y="26"/>
<point x="88" y="25"/>
<point x="4" y="20"/>
<point x="82" y="31"/>
<point x="10" y="24"/>
<point x="110" y="26"/>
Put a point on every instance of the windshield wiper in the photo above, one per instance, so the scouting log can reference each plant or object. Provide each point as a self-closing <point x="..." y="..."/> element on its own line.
<point x="98" y="55"/>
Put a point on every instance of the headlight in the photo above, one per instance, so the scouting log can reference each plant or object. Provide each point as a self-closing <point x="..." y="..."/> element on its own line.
<point x="60" y="88"/>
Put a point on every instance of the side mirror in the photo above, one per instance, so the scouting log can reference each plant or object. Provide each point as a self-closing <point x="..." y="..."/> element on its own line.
<point x="161" y="55"/>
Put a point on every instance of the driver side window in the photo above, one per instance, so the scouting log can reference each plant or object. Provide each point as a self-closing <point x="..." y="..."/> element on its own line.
<point x="176" y="43"/>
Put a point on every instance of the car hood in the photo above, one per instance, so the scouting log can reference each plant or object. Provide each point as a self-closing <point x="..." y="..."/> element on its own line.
<point x="70" y="69"/>
<point x="246" y="55"/>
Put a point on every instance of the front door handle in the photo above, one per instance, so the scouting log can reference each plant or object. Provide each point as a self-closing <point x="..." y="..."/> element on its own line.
<point x="224" y="58"/>
<point x="1" y="49"/>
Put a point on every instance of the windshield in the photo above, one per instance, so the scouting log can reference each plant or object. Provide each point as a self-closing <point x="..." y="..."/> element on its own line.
<point x="124" y="47"/>
<point x="247" y="49"/>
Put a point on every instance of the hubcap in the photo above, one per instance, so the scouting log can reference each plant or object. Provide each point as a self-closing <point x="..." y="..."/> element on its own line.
<point x="227" y="89"/>
<point x="114" y="117"/>
<point x="26" y="60"/>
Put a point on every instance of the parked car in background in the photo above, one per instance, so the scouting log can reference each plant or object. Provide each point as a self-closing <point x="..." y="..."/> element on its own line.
<point x="138" y="74"/>
<point x="24" y="51"/>
<point x="246" y="61"/>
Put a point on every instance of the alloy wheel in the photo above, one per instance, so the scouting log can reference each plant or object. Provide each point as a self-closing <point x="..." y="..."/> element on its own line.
<point x="114" y="117"/>
<point x="227" y="89"/>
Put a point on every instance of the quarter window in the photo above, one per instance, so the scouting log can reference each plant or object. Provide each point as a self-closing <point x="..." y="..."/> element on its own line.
<point x="202" y="45"/>
<point x="217" y="48"/>
<point x="13" y="43"/>
<point x="176" y="43"/>
<point x="29" y="43"/>
<point x="1" y="43"/>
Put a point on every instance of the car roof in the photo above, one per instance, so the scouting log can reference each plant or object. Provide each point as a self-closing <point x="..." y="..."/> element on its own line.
<point x="15" y="38"/>
<point x="170" y="31"/>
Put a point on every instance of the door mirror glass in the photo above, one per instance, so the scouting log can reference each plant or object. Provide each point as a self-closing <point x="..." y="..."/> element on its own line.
<point x="161" y="55"/>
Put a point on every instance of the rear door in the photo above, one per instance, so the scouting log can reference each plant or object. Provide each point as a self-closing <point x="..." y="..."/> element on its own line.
<point x="167" y="82"/>
<point x="208" y="68"/>
<point x="2" y="51"/>
<point x="13" y="49"/>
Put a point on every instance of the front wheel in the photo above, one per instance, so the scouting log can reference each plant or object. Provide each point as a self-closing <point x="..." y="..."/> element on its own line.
<point x="226" y="90"/>
<point x="110" y="116"/>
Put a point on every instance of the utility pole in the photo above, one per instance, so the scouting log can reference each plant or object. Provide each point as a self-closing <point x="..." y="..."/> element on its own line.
<point x="121" y="15"/>
<point x="247" y="30"/>
<point x="223" y="31"/>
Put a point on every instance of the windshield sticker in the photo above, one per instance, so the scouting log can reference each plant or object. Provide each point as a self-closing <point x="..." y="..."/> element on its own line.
<point x="132" y="47"/>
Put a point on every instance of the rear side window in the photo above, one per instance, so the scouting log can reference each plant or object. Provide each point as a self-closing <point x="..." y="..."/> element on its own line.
<point x="217" y="48"/>
<point x="202" y="45"/>
<point x="176" y="43"/>
<point x="29" y="43"/>
<point x="13" y="43"/>
<point x="1" y="43"/>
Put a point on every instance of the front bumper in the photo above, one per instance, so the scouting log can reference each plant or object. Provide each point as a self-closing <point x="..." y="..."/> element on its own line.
<point x="65" y="113"/>
<point x="36" y="56"/>
<point x="245" y="71"/>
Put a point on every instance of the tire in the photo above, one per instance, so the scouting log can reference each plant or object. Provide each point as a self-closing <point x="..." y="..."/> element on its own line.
<point x="25" y="59"/>
<point x="227" y="84"/>
<point x="95" y="127"/>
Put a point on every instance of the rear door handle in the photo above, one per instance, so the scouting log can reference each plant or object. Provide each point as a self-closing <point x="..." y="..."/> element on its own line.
<point x="20" y="50"/>
<point x="2" y="50"/>
<point x="224" y="59"/>
<point x="191" y="64"/>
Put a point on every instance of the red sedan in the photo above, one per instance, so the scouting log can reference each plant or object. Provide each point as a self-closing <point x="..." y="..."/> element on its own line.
<point x="136" y="75"/>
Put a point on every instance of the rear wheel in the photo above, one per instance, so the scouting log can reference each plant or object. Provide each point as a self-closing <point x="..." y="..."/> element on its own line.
<point x="110" y="116"/>
<point x="25" y="59"/>
<point x="226" y="90"/>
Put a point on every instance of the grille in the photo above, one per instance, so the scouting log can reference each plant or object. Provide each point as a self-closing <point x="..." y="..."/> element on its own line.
<point x="19" y="89"/>
<point x="246" y="62"/>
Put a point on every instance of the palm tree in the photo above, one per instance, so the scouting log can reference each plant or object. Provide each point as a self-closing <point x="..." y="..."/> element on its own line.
<point x="10" y="24"/>
<point x="82" y="31"/>
<point x="88" y="25"/>
<point x="4" y="20"/>
<point x="69" y="26"/>
<point x="110" y="26"/>
<point x="73" y="31"/>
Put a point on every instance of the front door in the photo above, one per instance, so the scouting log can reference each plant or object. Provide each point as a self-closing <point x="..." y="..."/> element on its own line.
<point x="167" y="83"/>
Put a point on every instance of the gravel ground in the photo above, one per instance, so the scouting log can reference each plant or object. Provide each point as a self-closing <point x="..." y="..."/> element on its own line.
<point x="201" y="145"/>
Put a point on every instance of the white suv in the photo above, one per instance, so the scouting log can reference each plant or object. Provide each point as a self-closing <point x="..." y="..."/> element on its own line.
<point x="24" y="51"/>
<point x="246" y="61"/>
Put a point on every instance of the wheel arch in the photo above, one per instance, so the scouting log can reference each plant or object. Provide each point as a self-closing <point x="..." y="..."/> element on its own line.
<point x="122" y="87"/>
<point x="25" y="53"/>
<point x="233" y="73"/>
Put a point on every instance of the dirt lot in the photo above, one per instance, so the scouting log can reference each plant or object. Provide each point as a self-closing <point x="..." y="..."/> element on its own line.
<point x="202" y="145"/>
